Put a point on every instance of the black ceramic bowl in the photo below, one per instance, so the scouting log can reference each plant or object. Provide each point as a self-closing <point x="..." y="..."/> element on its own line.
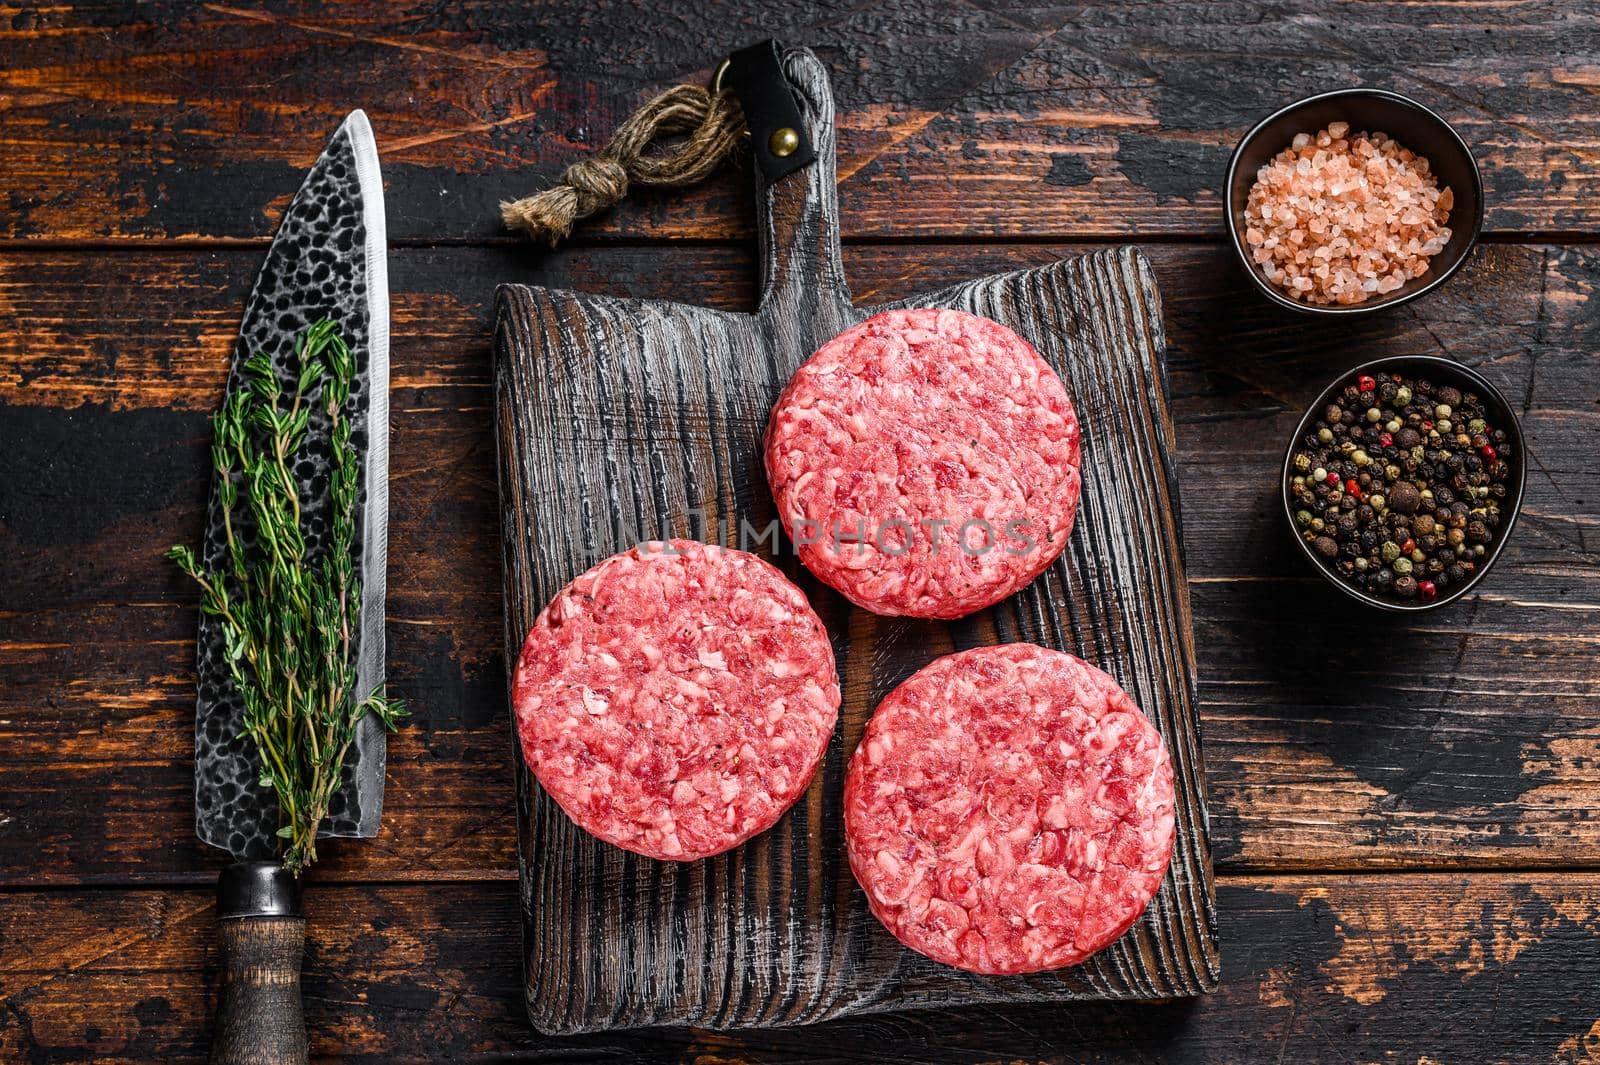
<point x="1438" y="371"/>
<point x="1408" y="122"/>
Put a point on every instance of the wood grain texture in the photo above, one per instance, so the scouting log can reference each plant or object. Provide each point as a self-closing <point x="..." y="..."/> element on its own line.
<point x="1456" y="970"/>
<point x="109" y="362"/>
<point x="138" y="121"/>
<point x="620" y="421"/>
<point x="259" y="1018"/>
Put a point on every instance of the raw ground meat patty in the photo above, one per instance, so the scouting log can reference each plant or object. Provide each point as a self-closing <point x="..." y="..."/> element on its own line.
<point x="905" y="429"/>
<point x="1009" y="810"/>
<point x="676" y="704"/>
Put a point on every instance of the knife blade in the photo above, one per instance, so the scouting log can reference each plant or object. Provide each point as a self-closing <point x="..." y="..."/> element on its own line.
<point x="327" y="260"/>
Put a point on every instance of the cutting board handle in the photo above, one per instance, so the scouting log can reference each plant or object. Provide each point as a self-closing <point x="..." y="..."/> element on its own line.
<point x="262" y="937"/>
<point x="797" y="216"/>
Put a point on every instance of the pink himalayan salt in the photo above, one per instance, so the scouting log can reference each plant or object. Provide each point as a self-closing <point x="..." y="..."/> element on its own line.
<point x="1337" y="219"/>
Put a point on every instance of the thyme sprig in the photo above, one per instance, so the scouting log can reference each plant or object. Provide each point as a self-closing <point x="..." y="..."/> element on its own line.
<point x="288" y="618"/>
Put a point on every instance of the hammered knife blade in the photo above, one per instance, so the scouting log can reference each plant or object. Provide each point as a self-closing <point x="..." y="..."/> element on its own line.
<point x="328" y="260"/>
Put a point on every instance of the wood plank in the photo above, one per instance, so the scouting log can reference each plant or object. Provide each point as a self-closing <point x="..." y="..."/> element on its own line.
<point x="1478" y="746"/>
<point x="1483" y="968"/>
<point x="137" y="121"/>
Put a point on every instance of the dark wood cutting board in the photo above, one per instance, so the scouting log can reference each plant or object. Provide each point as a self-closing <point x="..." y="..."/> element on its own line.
<point x="621" y="420"/>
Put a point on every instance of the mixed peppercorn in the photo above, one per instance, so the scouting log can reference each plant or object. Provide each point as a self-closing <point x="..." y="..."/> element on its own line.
<point x="1398" y="486"/>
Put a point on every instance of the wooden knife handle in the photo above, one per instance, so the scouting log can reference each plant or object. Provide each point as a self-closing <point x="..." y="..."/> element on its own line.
<point x="262" y="937"/>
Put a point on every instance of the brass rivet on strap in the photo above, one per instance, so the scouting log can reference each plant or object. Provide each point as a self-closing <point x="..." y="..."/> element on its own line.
<point x="783" y="142"/>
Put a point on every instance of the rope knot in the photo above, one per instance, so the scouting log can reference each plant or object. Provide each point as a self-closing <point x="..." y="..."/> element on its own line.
<point x="712" y="123"/>
<point x="598" y="183"/>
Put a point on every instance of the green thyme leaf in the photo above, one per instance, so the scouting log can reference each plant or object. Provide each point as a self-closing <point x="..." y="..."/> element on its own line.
<point x="288" y="618"/>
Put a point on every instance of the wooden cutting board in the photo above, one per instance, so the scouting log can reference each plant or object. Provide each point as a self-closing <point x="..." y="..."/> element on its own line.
<point x="620" y="420"/>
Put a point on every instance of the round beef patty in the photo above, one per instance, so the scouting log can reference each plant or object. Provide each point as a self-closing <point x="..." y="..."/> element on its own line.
<point x="925" y="463"/>
<point x="676" y="698"/>
<point x="1009" y="810"/>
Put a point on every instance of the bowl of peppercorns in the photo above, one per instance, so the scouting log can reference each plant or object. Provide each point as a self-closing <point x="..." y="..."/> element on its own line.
<point x="1403" y="480"/>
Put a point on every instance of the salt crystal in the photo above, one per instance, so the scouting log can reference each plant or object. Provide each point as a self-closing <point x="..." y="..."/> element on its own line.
<point x="1337" y="217"/>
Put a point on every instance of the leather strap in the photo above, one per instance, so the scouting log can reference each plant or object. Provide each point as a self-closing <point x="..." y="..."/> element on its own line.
<point x="770" y="104"/>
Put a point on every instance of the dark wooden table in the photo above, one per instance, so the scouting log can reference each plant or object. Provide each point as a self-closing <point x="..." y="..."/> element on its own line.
<point x="1404" y="812"/>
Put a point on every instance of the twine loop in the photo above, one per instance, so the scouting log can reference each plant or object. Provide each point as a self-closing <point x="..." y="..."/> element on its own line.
<point x="711" y="123"/>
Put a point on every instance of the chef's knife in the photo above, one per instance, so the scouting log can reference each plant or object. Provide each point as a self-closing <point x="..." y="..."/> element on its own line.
<point x="328" y="260"/>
